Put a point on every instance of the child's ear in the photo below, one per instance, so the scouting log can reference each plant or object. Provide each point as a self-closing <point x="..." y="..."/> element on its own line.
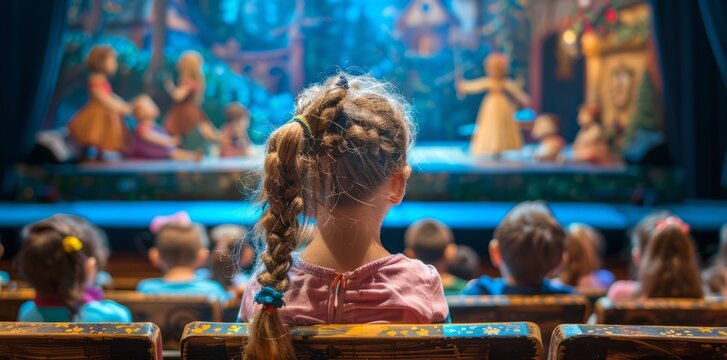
<point x="635" y="256"/>
<point x="408" y="252"/>
<point x="91" y="270"/>
<point x="247" y="257"/>
<point x="154" y="258"/>
<point x="450" y="252"/>
<point x="202" y="256"/>
<point x="495" y="256"/>
<point x="398" y="185"/>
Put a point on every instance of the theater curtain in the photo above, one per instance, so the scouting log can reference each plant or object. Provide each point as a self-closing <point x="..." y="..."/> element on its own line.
<point x="30" y="37"/>
<point x="696" y="110"/>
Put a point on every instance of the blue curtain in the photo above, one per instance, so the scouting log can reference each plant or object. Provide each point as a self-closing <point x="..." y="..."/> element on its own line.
<point x="694" y="93"/>
<point x="30" y="36"/>
<point x="714" y="14"/>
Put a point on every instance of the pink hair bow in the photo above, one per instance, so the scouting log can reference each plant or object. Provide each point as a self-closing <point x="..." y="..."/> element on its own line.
<point x="158" y="222"/>
<point x="673" y="220"/>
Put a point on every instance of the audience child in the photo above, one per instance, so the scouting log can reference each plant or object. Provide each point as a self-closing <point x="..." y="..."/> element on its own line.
<point x="180" y="246"/>
<point x="465" y="264"/>
<point x="529" y="244"/>
<point x="640" y="236"/>
<point x="232" y="258"/>
<point x="715" y="276"/>
<point x="95" y="245"/>
<point x="235" y="140"/>
<point x="54" y="260"/>
<point x="668" y="268"/>
<point x="432" y="242"/>
<point x="582" y="268"/>
<point x="4" y="276"/>
<point x="341" y="160"/>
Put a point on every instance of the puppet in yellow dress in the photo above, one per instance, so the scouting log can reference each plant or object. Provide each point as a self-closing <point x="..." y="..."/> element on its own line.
<point x="99" y="124"/>
<point x="496" y="131"/>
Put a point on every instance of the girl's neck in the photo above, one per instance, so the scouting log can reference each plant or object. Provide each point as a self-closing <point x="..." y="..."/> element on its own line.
<point x="347" y="243"/>
<point x="179" y="274"/>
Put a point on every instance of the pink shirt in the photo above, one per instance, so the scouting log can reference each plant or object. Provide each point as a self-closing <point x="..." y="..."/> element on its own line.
<point x="623" y="290"/>
<point x="393" y="289"/>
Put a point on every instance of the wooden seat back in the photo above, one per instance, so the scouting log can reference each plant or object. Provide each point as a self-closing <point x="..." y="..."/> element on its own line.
<point x="29" y="340"/>
<point x="677" y="312"/>
<point x="444" y="341"/>
<point x="546" y="311"/>
<point x="170" y="312"/>
<point x="602" y="342"/>
<point x="11" y="300"/>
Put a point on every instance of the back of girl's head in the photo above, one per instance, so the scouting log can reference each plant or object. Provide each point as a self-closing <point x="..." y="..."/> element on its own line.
<point x="583" y="247"/>
<point x="95" y="241"/>
<point x="52" y="260"/>
<point x="531" y="242"/>
<point x="669" y="265"/>
<point x="643" y="231"/>
<point x="350" y="135"/>
<point x="179" y="244"/>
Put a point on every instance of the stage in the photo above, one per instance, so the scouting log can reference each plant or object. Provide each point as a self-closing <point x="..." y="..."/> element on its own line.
<point x="441" y="172"/>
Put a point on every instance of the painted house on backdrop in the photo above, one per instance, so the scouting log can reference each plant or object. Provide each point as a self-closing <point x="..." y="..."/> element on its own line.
<point x="426" y="27"/>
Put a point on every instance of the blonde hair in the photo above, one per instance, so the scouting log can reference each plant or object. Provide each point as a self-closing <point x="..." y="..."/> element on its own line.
<point x="352" y="135"/>
<point x="669" y="267"/>
<point x="189" y="66"/>
<point x="583" y="245"/>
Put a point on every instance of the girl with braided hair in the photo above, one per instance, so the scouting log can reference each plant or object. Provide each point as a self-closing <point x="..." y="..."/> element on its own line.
<point x="340" y="163"/>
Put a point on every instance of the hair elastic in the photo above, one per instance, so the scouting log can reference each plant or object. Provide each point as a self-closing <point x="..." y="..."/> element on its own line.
<point x="300" y="119"/>
<point x="71" y="244"/>
<point x="343" y="82"/>
<point x="673" y="220"/>
<point x="270" y="299"/>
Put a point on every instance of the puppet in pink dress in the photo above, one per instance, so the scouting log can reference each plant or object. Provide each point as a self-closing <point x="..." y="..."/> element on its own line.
<point x="150" y="140"/>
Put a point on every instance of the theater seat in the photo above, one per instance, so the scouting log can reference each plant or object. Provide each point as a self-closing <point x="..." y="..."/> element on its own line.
<point x="381" y="341"/>
<point x="596" y="342"/>
<point x="28" y="340"/>
<point x="681" y="312"/>
<point x="547" y="311"/>
<point x="10" y="301"/>
<point x="170" y="312"/>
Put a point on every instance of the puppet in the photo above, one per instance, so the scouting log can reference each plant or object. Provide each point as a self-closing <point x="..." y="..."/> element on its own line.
<point x="99" y="124"/>
<point x="591" y="144"/>
<point x="550" y="143"/>
<point x="235" y="140"/>
<point x="496" y="131"/>
<point x="186" y="118"/>
<point x="151" y="141"/>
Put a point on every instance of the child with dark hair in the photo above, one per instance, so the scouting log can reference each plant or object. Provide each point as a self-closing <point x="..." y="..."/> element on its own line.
<point x="53" y="260"/>
<point x="341" y="161"/>
<point x="4" y="276"/>
<point x="180" y="247"/>
<point x="465" y="264"/>
<point x="432" y="242"/>
<point x="95" y="245"/>
<point x="668" y="268"/>
<point x="528" y="245"/>
<point x="716" y="275"/>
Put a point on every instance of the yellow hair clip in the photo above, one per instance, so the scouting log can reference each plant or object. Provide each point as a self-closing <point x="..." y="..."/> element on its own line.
<point x="72" y="244"/>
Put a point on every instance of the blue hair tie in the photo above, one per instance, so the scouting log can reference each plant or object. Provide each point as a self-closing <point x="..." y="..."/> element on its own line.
<point x="270" y="299"/>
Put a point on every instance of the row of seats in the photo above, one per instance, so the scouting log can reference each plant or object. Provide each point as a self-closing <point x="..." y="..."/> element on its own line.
<point x="513" y="340"/>
<point x="172" y="312"/>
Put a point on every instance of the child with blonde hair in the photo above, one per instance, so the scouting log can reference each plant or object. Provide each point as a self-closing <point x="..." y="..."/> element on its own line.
<point x="342" y="161"/>
<point x="716" y="275"/>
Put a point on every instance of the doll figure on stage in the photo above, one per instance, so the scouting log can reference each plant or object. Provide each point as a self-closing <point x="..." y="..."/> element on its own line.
<point x="99" y="124"/>
<point x="150" y="140"/>
<point x="186" y="119"/>
<point x="591" y="144"/>
<point x="550" y="143"/>
<point x="235" y="140"/>
<point x="496" y="131"/>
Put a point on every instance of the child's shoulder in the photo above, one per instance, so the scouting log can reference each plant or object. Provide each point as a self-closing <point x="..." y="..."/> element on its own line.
<point x="103" y="311"/>
<point x="401" y="265"/>
<point x="485" y="285"/>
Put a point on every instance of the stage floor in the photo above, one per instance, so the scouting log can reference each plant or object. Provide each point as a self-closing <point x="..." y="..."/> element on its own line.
<point x="442" y="172"/>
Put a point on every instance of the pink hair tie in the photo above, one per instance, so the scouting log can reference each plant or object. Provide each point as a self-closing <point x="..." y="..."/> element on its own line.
<point x="673" y="220"/>
<point x="158" y="222"/>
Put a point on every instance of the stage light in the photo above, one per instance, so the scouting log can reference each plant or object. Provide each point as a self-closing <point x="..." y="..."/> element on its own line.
<point x="569" y="37"/>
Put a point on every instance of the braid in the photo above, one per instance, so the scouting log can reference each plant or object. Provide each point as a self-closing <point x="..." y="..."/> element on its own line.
<point x="358" y="137"/>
